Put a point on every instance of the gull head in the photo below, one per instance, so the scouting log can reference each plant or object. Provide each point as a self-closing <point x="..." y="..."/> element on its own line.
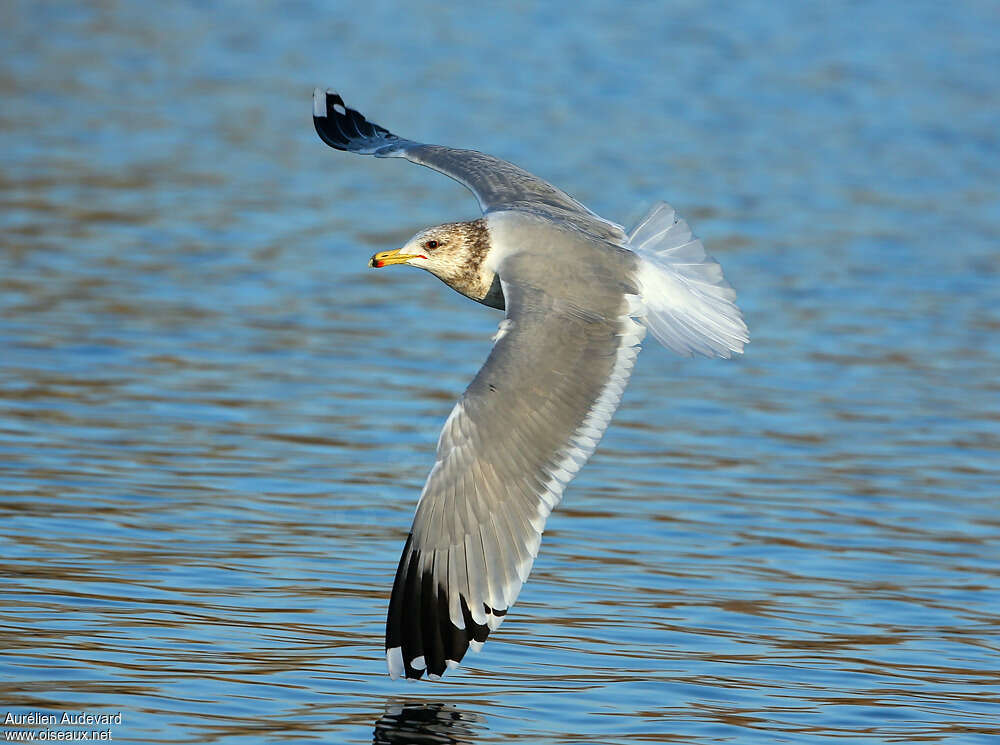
<point x="454" y="253"/>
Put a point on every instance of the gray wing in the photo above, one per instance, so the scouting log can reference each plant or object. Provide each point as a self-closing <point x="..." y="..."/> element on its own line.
<point x="526" y="424"/>
<point x="497" y="184"/>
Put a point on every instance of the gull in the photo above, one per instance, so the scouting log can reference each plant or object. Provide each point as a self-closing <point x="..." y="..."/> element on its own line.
<point x="579" y="294"/>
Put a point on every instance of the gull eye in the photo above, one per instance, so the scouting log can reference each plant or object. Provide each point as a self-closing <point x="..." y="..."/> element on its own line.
<point x="431" y="245"/>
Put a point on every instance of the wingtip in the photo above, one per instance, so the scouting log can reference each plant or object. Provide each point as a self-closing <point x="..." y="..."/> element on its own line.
<point x="328" y="111"/>
<point x="343" y="128"/>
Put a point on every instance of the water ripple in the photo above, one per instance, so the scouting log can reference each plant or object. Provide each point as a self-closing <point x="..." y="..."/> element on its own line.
<point x="215" y="422"/>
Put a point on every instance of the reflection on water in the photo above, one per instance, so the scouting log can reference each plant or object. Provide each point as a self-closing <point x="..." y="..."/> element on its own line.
<point x="215" y="421"/>
<point x="425" y="723"/>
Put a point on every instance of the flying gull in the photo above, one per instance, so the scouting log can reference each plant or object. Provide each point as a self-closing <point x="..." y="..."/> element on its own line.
<point x="579" y="294"/>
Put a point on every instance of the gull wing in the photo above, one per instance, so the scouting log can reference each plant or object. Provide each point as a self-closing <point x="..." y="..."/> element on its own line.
<point x="497" y="184"/>
<point x="525" y="425"/>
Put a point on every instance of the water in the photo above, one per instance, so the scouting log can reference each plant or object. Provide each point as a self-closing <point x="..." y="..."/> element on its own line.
<point x="215" y="420"/>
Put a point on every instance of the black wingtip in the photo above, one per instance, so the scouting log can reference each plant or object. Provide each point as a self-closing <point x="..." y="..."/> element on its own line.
<point x="346" y="129"/>
<point x="418" y="625"/>
<point x="325" y="117"/>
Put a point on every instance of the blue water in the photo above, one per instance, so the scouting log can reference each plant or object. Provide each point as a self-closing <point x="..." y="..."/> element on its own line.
<point x="215" y="420"/>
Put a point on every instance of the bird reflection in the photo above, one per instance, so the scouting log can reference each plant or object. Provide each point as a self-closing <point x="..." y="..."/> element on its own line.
<point x="425" y="723"/>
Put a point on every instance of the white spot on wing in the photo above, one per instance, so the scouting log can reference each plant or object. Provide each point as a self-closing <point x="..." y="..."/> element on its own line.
<point x="394" y="657"/>
<point x="319" y="103"/>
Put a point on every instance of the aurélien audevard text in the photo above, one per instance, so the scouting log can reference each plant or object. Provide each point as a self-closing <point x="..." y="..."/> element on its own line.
<point x="67" y="717"/>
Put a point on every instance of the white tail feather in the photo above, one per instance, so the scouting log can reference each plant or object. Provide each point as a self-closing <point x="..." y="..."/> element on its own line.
<point x="687" y="303"/>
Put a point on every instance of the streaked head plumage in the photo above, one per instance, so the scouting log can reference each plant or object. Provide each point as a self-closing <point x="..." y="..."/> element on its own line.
<point x="455" y="252"/>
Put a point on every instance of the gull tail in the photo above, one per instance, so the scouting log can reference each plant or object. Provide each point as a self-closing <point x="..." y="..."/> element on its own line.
<point x="686" y="302"/>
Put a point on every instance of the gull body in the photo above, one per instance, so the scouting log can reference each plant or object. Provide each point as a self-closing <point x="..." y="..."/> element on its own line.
<point x="579" y="294"/>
